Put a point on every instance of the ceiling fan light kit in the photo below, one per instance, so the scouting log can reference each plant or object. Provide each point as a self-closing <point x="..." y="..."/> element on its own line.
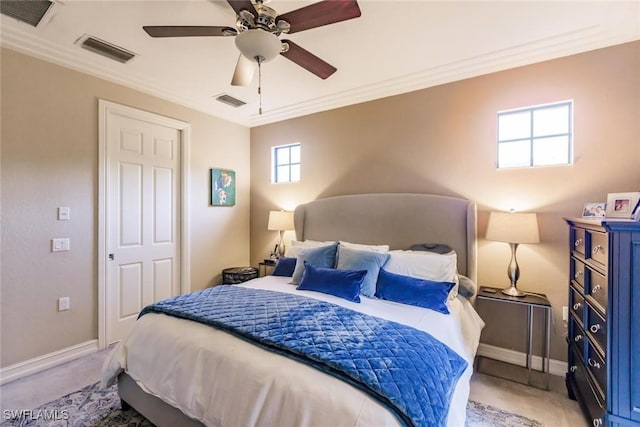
<point x="258" y="28"/>
<point x="258" y="45"/>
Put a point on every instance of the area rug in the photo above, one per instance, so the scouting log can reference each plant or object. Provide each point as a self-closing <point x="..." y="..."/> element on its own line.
<point x="94" y="406"/>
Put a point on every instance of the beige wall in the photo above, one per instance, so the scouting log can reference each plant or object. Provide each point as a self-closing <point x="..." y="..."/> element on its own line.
<point x="50" y="159"/>
<point x="442" y="140"/>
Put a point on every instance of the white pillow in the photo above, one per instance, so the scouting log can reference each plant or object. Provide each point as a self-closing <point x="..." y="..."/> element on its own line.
<point x="425" y="265"/>
<point x="361" y="247"/>
<point x="296" y="245"/>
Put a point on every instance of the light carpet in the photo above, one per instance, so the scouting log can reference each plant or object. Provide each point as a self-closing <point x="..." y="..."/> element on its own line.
<point x="100" y="407"/>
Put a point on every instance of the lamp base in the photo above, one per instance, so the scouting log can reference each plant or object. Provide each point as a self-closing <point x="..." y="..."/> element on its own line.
<point x="513" y="292"/>
<point x="281" y="248"/>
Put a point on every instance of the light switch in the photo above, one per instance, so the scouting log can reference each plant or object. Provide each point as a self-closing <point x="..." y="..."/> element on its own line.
<point x="64" y="303"/>
<point x="64" y="213"/>
<point x="60" y="244"/>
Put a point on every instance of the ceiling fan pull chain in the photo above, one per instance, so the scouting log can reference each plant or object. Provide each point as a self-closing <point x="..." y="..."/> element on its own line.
<point x="259" y="84"/>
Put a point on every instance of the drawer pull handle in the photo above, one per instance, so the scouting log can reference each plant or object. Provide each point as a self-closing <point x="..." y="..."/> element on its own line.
<point x="573" y="368"/>
<point x="595" y="289"/>
<point x="595" y="328"/>
<point x="576" y="306"/>
<point x="577" y="338"/>
<point x="597" y="422"/>
<point x="577" y="243"/>
<point x="594" y="363"/>
<point x="578" y="274"/>
<point x="597" y="249"/>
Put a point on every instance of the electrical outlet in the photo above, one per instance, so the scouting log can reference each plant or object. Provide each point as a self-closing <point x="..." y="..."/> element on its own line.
<point x="64" y="304"/>
<point x="565" y="313"/>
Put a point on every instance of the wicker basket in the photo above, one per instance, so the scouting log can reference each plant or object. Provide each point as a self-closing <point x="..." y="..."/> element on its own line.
<point x="234" y="275"/>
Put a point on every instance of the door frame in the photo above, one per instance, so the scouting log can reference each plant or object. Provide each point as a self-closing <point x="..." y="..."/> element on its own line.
<point x="105" y="110"/>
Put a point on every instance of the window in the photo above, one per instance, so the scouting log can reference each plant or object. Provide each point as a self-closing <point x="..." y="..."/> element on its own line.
<point x="535" y="136"/>
<point x="286" y="163"/>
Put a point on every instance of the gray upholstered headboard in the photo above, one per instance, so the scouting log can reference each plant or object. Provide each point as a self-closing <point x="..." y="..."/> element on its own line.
<point x="397" y="219"/>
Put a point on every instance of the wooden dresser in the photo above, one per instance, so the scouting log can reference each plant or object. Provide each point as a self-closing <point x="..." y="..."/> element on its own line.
<point x="604" y="320"/>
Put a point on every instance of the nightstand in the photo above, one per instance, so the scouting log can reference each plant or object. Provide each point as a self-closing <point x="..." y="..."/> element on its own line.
<point x="235" y="275"/>
<point x="531" y="301"/>
<point x="265" y="266"/>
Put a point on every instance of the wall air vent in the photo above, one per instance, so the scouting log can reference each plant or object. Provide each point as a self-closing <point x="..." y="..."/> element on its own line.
<point x="230" y="100"/>
<point x="30" y="12"/>
<point x="104" y="48"/>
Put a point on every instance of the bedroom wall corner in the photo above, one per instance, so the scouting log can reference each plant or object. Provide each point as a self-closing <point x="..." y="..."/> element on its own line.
<point x="49" y="158"/>
<point x="441" y="140"/>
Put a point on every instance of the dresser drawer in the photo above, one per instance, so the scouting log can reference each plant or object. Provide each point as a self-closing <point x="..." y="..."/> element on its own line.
<point x="597" y="289"/>
<point x="596" y="328"/>
<point x="577" y="240"/>
<point x="575" y="361"/>
<point x="577" y="271"/>
<point x="576" y="304"/>
<point x="592" y="400"/>
<point x="596" y="365"/>
<point x="599" y="247"/>
<point x="579" y="338"/>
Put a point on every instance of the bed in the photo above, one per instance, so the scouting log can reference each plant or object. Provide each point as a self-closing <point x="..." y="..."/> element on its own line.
<point x="178" y="372"/>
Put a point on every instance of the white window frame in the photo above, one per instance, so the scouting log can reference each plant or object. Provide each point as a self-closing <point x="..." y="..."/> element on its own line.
<point x="274" y="162"/>
<point x="531" y="139"/>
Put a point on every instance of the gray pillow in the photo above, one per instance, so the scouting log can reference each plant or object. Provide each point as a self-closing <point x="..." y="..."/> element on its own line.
<point x="319" y="256"/>
<point x="438" y="248"/>
<point x="371" y="262"/>
<point x="466" y="287"/>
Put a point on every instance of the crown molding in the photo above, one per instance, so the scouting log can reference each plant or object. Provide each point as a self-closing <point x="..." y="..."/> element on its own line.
<point x="560" y="45"/>
<point x="566" y="44"/>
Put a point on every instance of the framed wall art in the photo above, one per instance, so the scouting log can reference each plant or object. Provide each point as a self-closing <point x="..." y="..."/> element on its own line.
<point x="223" y="187"/>
<point x="622" y="205"/>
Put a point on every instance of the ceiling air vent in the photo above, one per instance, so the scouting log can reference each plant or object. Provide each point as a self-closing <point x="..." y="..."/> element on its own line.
<point x="107" y="49"/>
<point x="230" y="100"/>
<point x="30" y="12"/>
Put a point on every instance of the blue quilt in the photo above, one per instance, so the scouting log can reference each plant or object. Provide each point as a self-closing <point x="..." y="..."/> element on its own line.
<point x="407" y="370"/>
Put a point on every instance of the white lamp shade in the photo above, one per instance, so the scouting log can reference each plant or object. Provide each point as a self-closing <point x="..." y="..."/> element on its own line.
<point x="513" y="227"/>
<point x="280" y="221"/>
<point x="258" y="43"/>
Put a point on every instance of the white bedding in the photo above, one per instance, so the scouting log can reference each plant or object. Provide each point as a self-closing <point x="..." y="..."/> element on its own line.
<point x="221" y="380"/>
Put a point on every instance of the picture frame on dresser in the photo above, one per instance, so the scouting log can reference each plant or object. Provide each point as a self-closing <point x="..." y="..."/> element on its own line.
<point x="623" y="205"/>
<point x="594" y="210"/>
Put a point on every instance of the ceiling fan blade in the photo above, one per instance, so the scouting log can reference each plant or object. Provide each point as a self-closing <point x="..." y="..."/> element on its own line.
<point x="244" y="72"/>
<point x="322" y="13"/>
<point x="239" y="5"/>
<point x="308" y="60"/>
<point x="185" y="31"/>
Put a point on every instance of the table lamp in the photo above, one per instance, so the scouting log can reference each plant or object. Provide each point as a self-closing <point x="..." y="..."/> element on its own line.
<point x="513" y="228"/>
<point x="280" y="221"/>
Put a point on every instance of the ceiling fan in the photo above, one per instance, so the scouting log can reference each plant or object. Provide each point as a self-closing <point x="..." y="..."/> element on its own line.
<point x="258" y="30"/>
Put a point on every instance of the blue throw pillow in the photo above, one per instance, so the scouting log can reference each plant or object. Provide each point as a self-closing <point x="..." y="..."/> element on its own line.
<point x="414" y="291"/>
<point x="319" y="256"/>
<point x="355" y="259"/>
<point x="284" y="267"/>
<point x="340" y="283"/>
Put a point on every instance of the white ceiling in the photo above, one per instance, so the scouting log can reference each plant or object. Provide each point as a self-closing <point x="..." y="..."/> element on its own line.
<point x="394" y="47"/>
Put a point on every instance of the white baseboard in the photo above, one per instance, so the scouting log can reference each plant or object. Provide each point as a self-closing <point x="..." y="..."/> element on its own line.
<point x="556" y="367"/>
<point x="41" y="363"/>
